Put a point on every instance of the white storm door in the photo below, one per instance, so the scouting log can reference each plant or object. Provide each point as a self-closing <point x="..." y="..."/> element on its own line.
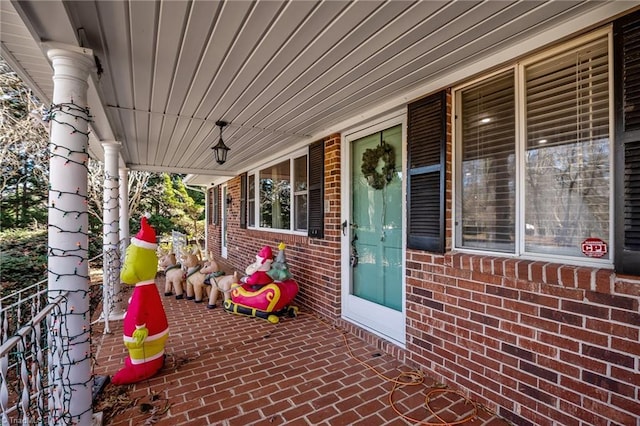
<point x="223" y="223"/>
<point x="373" y="241"/>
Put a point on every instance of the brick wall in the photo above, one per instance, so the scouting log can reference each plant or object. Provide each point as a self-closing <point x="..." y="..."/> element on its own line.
<point x="315" y="263"/>
<point x="539" y="343"/>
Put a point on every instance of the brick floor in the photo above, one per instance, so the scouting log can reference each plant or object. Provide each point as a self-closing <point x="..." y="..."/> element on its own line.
<point x="225" y="369"/>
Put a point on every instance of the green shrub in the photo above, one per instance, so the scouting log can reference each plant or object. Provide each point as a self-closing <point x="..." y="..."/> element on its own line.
<point x="23" y="258"/>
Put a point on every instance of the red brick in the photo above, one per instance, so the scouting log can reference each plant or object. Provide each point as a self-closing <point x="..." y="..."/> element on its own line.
<point x="630" y="288"/>
<point x="584" y="335"/>
<point x="278" y="406"/>
<point x="318" y="416"/>
<point x="568" y="276"/>
<point x="297" y="412"/>
<point x="563" y="342"/>
<point x="498" y="267"/>
<point x="511" y="268"/>
<point x="629" y="332"/>
<point x="245" y="419"/>
<point x="551" y="273"/>
<point x="216" y="416"/>
<point x="345" y="418"/>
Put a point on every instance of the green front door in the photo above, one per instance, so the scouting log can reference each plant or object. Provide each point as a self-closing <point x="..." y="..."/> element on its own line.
<point x="375" y="232"/>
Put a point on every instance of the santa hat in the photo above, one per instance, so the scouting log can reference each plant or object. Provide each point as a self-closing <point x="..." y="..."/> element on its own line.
<point x="265" y="254"/>
<point x="146" y="236"/>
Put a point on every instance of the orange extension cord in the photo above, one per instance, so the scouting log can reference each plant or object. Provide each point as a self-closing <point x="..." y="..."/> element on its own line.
<point x="411" y="378"/>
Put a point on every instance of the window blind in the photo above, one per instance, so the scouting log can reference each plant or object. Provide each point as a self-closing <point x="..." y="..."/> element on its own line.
<point x="487" y="180"/>
<point x="567" y="150"/>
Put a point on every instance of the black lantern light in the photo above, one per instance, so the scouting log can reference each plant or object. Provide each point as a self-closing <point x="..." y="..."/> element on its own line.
<point x="220" y="149"/>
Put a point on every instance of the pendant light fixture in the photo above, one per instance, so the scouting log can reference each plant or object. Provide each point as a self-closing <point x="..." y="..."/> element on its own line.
<point x="220" y="150"/>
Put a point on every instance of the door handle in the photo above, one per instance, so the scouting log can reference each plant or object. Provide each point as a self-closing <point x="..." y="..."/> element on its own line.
<point x="344" y="226"/>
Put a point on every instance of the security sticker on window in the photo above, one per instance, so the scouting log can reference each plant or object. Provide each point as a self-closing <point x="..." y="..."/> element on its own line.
<point x="594" y="247"/>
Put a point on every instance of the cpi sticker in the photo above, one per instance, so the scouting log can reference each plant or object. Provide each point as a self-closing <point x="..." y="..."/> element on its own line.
<point x="594" y="247"/>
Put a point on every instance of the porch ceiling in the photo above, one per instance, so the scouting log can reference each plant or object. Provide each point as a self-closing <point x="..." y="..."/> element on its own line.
<point x="281" y="73"/>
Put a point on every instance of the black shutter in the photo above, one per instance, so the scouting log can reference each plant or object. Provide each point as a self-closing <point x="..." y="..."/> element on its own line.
<point x="627" y="144"/>
<point x="210" y="208"/>
<point x="243" y="201"/>
<point x="216" y="205"/>
<point x="426" y="146"/>
<point x="316" y="190"/>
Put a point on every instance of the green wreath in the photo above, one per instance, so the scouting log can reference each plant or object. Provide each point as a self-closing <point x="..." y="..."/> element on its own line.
<point x="370" y="159"/>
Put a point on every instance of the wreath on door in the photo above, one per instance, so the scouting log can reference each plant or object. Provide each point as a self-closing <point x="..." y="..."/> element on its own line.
<point x="370" y="160"/>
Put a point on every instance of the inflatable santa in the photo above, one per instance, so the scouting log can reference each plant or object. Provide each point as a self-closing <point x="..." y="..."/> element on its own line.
<point x="267" y="290"/>
<point x="145" y="324"/>
<point x="257" y="272"/>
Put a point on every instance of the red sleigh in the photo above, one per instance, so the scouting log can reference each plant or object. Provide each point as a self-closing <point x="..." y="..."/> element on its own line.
<point x="268" y="290"/>
<point x="269" y="301"/>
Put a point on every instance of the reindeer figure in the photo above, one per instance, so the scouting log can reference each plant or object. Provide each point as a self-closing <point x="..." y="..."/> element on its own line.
<point x="222" y="285"/>
<point x="191" y="264"/>
<point x="198" y="272"/>
<point x="203" y="279"/>
<point x="173" y="273"/>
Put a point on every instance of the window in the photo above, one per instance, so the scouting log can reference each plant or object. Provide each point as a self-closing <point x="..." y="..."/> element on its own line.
<point x="533" y="155"/>
<point x="210" y="207"/>
<point x="215" y="202"/>
<point x="487" y="145"/>
<point x="277" y="195"/>
<point x="300" y="193"/>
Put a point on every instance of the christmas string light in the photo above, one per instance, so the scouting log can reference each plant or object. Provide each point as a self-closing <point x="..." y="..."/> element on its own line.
<point x="29" y="366"/>
<point x="69" y="160"/>
<point x="61" y="193"/>
<point x="113" y="293"/>
<point x="60" y="354"/>
<point x="62" y="231"/>
<point x="69" y="328"/>
<point x="60" y="275"/>
<point x="69" y="109"/>
<point x="69" y="151"/>
<point x="58" y="252"/>
<point x="111" y="263"/>
<point x="68" y="212"/>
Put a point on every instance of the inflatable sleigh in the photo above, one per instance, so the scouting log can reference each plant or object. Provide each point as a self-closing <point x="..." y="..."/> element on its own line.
<point x="268" y="289"/>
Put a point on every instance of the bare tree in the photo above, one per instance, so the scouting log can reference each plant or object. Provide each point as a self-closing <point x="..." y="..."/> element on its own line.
<point x="137" y="184"/>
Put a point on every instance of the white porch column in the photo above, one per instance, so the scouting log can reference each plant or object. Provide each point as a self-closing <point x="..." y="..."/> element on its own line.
<point x="124" y="211"/>
<point x="124" y="231"/>
<point x="70" y="374"/>
<point x="111" y="301"/>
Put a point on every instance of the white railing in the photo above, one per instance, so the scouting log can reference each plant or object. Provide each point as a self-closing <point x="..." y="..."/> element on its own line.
<point x="23" y="370"/>
<point x="19" y="307"/>
<point x="26" y="329"/>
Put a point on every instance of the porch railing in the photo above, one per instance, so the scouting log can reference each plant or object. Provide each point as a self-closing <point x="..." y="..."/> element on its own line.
<point x="25" y="340"/>
<point x="24" y="392"/>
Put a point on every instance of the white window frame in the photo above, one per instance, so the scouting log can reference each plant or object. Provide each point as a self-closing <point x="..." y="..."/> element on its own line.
<point x="302" y="192"/>
<point x="520" y="135"/>
<point x="256" y="176"/>
<point x="251" y="202"/>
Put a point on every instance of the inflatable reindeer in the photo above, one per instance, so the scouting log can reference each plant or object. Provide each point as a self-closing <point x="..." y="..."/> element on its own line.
<point x="173" y="273"/>
<point x="199" y="274"/>
<point x="222" y="285"/>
